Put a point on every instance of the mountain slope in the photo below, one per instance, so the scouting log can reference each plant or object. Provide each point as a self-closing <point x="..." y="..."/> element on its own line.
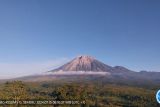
<point x="88" y="63"/>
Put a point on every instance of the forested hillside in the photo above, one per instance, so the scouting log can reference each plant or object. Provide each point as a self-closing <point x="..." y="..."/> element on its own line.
<point x="89" y="94"/>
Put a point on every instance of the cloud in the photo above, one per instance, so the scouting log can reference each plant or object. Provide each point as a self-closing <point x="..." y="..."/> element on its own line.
<point x="12" y="70"/>
<point x="77" y="73"/>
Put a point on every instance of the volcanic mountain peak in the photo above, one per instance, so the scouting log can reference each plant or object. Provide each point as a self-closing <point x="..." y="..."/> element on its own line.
<point x="84" y="63"/>
<point x="85" y="57"/>
<point x="83" y="60"/>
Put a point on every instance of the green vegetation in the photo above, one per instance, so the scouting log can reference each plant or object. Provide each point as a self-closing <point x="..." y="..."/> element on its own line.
<point x="94" y="94"/>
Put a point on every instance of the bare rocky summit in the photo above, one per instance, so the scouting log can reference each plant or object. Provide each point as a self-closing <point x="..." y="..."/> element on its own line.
<point x="87" y="63"/>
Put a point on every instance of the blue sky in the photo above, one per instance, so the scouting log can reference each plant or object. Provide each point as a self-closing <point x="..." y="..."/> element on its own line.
<point x="117" y="32"/>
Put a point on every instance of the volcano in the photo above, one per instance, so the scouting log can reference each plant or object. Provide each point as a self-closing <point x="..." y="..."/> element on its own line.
<point x="88" y="63"/>
<point x="88" y="68"/>
<point x="84" y="63"/>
